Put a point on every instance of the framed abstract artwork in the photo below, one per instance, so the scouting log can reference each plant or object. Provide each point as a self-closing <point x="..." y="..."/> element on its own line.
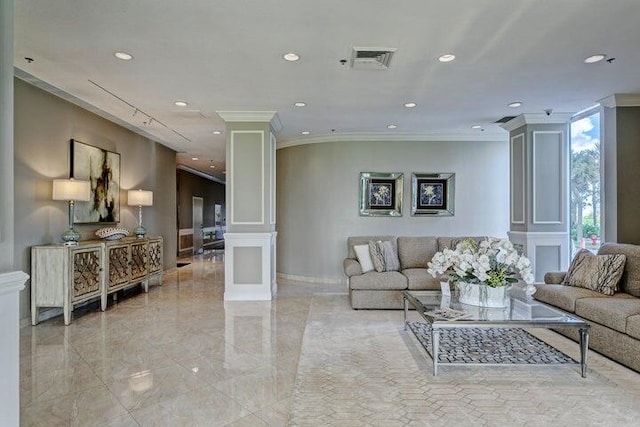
<point x="102" y="169"/>
<point x="381" y="194"/>
<point x="432" y="194"/>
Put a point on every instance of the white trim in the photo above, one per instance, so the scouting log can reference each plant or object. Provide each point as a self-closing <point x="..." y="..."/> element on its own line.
<point x="620" y="100"/>
<point x="231" y="188"/>
<point x="247" y="116"/>
<point x="272" y="177"/>
<point x="399" y="137"/>
<point x="536" y="119"/>
<point x="524" y="194"/>
<point x="319" y="280"/>
<point x="533" y="177"/>
<point x="12" y="282"/>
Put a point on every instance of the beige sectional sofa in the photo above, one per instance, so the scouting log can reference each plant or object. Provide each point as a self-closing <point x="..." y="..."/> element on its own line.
<point x="614" y="320"/>
<point x="383" y="290"/>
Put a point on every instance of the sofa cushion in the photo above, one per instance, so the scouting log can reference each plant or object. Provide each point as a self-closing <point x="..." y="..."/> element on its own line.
<point x="633" y="326"/>
<point x="373" y="280"/>
<point x="364" y="240"/>
<point x="600" y="273"/>
<point x="419" y="279"/>
<point x="611" y="312"/>
<point x="364" y="257"/>
<point x="564" y="297"/>
<point x="630" y="282"/>
<point x="375" y="250"/>
<point x="416" y="252"/>
<point x="390" y="255"/>
<point x="452" y="242"/>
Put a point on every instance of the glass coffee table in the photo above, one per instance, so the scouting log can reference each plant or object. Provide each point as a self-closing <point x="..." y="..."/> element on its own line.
<point x="521" y="312"/>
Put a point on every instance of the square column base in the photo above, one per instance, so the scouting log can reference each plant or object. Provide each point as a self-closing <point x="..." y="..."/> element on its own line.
<point x="547" y="251"/>
<point x="250" y="266"/>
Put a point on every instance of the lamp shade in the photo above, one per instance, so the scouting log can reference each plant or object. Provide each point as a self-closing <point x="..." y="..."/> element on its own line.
<point x="71" y="189"/>
<point x="140" y="198"/>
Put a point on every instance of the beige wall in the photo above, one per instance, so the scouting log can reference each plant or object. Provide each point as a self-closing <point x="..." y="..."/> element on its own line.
<point x="317" y="197"/>
<point x="44" y="124"/>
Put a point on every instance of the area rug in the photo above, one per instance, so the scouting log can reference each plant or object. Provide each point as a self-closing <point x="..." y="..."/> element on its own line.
<point x="489" y="345"/>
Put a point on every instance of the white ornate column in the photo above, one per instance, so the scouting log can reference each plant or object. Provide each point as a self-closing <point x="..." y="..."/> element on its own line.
<point x="539" y="221"/>
<point x="250" y="241"/>
<point x="11" y="282"/>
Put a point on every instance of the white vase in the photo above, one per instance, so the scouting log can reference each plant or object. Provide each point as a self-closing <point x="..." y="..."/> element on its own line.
<point x="482" y="295"/>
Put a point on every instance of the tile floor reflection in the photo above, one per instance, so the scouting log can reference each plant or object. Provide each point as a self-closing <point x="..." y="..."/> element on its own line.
<point x="177" y="356"/>
<point x="181" y="356"/>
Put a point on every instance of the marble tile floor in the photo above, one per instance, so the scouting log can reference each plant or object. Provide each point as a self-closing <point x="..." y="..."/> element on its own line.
<point x="180" y="356"/>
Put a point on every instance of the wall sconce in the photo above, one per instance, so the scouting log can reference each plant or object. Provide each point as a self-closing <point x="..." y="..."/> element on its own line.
<point x="140" y="198"/>
<point x="72" y="191"/>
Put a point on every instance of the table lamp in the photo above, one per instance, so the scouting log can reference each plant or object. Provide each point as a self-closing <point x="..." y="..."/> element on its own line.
<point x="140" y="198"/>
<point x="73" y="191"/>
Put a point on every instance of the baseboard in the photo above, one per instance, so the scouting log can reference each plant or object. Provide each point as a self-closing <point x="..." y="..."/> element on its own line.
<point x="308" y="279"/>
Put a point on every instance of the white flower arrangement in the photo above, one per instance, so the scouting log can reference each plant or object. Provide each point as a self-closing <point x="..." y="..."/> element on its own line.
<point x="494" y="262"/>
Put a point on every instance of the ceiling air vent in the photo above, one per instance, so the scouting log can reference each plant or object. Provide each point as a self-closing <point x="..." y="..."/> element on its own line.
<point x="371" y="58"/>
<point x="505" y="119"/>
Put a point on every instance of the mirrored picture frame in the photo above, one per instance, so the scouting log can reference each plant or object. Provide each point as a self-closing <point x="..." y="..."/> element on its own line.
<point x="381" y="194"/>
<point x="433" y="194"/>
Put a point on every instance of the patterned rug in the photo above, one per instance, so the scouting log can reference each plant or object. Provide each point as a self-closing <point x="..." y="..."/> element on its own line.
<point x="489" y="345"/>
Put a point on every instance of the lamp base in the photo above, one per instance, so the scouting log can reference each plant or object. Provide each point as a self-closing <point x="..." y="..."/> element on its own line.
<point x="70" y="237"/>
<point x="140" y="231"/>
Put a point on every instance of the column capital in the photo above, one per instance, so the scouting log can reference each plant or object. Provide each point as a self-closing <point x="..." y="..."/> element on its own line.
<point x="270" y="117"/>
<point x="536" y="119"/>
<point x="621" y="100"/>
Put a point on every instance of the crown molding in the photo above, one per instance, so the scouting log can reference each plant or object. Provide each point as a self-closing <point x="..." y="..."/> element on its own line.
<point x="406" y="137"/>
<point x="12" y="281"/>
<point x="536" y="119"/>
<point x="621" y="100"/>
<point x="200" y="174"/>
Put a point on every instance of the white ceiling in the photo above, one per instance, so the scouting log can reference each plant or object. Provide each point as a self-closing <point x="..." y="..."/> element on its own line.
<point x="227" y="56"/>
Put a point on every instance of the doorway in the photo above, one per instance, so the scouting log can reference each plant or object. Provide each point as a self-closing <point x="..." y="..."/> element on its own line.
<point x="198" y="206"/>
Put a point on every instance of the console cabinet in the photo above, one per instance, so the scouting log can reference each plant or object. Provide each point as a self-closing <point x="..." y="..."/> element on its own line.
<point x="63" y="276"/>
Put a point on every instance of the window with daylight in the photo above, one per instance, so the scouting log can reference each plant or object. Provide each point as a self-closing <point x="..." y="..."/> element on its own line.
<point x="585" y="182"/>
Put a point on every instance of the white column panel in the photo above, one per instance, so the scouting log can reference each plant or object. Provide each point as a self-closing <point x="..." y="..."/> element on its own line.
<point x="547" y="178"/>
<point x="518" y="193"/>
<point x="258" y="282"/>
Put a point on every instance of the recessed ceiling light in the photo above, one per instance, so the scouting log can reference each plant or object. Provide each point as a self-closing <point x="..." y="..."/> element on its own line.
<point x="291" y="56"/>
<point x="300" y="104"/>
<point x="212" y="167"/>
<point x="515" y="104"/>
<point x="305" y="132"/>
<point x="447" y="58"/>
<point x="476" y="126"/>
<point x="217" y="132"/>
<point x="392" y="126"/>
<point x="194" y="158"/>
<point x="410" y="104"/>
<point x="594" y="58"/>
<point x="123" y="55"/>
<point x="181" y="103"/>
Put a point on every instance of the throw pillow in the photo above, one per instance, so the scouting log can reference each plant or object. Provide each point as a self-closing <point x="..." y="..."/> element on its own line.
<point x="376" y="256"/>
<point x="390" y="255"/>
<point x="599" y="273"/>
<point x="364" y="258"/>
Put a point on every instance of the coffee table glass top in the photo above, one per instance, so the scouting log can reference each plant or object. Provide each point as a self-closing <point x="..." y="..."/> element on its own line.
<point x="520" y="309"/>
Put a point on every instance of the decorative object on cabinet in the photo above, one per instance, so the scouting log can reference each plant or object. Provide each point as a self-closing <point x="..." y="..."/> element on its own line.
<point x="72" y="191"/>
<point x="432" y="194"/>
<point x="381" y="194"/>
<point x="140" y="198"/>
<point x="64" y="276"/>
<point x="102" y="169"/>
<point x="112" y="233"/>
